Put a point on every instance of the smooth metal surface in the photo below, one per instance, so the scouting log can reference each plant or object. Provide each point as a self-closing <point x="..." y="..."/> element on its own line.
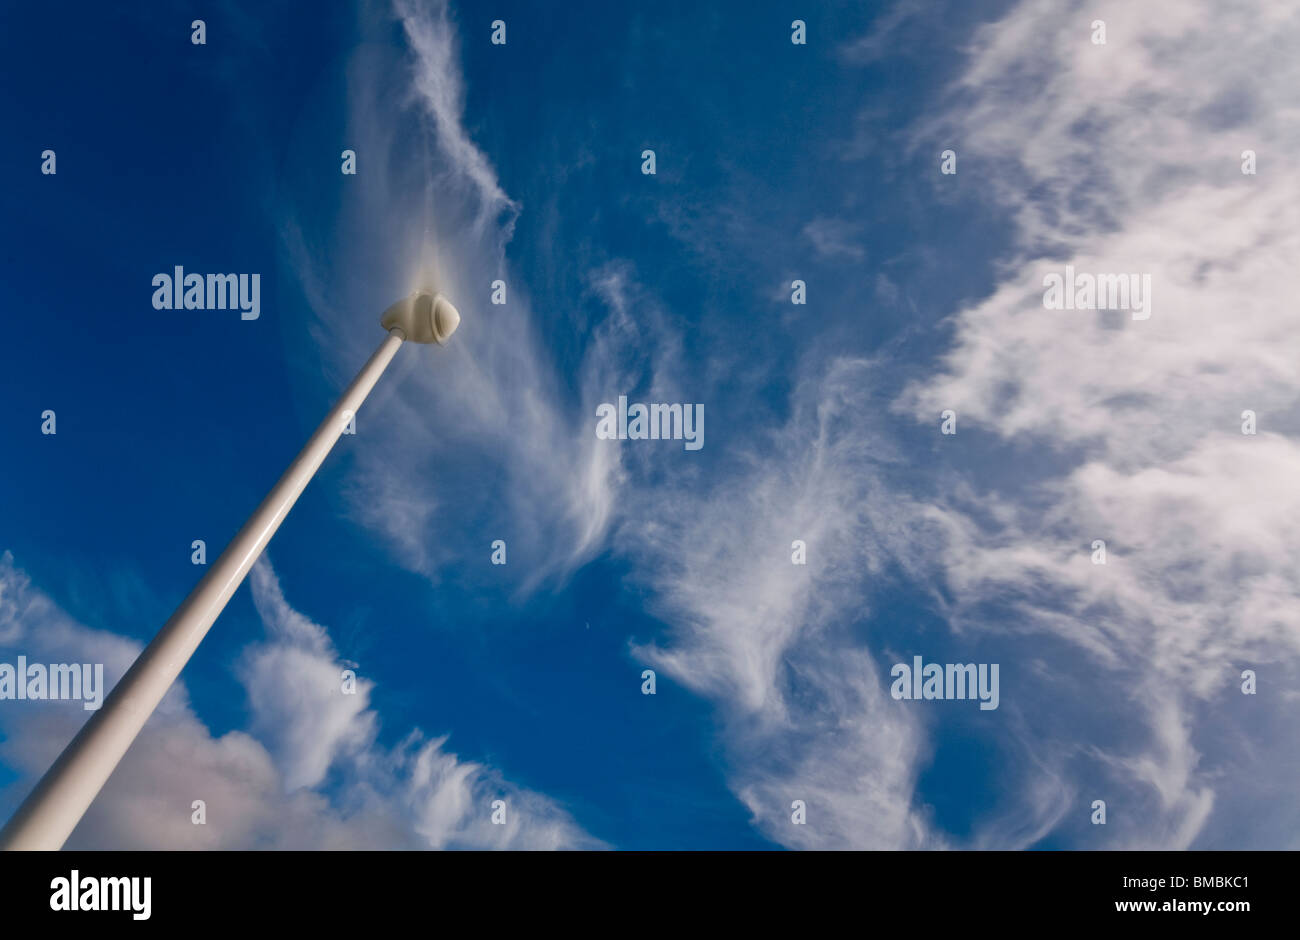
<point x="53" y="809"/>
<point x="424" y="317"/>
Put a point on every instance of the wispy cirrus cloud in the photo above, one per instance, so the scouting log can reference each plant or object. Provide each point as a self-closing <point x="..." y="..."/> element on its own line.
<point x="1127" y="157"/>
<point x="495" y="404"/>
<point x="805" y="714"/>
<point x="1123" y="157"/>
<point x="834" y="239"/>
<point x="439" y="90"/>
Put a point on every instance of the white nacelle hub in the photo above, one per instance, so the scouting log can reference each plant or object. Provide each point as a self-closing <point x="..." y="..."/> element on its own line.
<point x="424" y="317"/>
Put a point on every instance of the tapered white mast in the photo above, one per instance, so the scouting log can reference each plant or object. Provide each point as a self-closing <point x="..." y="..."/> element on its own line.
<point x="53" y="809"/>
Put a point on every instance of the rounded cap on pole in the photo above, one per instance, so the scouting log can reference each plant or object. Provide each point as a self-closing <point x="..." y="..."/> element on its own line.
<point x="423" y="317"/>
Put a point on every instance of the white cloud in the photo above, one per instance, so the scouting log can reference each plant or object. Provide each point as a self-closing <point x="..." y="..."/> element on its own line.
<point x="293" y="682"/>
<point x="882" y="38"/>
<point x="1126" y="158"/>
<point x="1122" y="158"/>
<point x="1117" y="158"/>
<point x="806" y="717"/>
<point x="834" y="239"/>
<point x="261" y="789"/>
<point x="440" y="90"/>
<point x="495" y="404"/>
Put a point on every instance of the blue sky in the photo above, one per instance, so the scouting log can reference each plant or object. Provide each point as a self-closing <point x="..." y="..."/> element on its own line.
<point x="775" y="162"/>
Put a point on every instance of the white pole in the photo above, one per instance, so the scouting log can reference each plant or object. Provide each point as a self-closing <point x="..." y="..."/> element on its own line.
<point x="52" y="810"/>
